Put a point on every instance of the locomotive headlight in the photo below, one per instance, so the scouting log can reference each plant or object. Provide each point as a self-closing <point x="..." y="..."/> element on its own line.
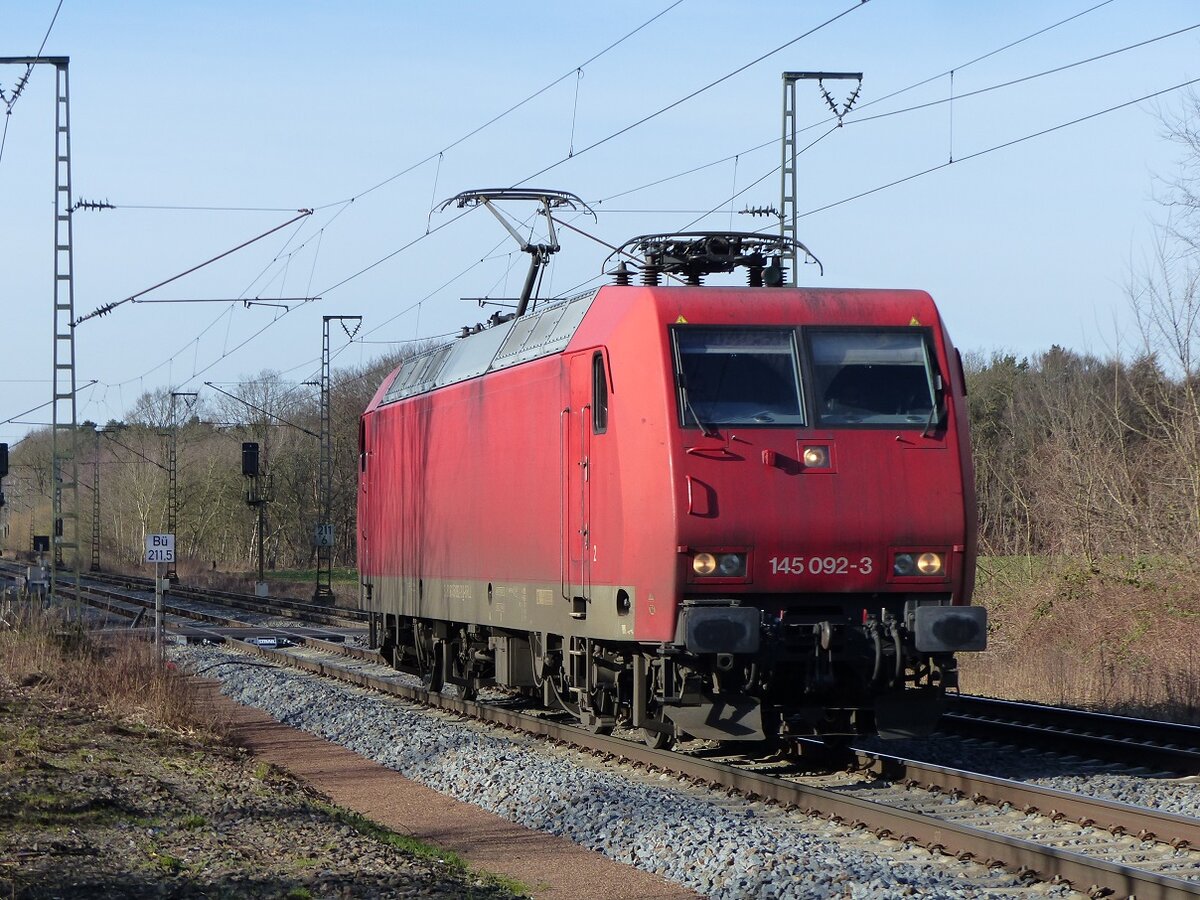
<point x="930" y="564"/>
<point x="731" y="565"/>
<point x="816" y="457"/>
<point x="719" y="565"/>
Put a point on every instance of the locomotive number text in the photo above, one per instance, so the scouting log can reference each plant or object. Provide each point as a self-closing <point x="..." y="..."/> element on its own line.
<point x="820" y="565"/>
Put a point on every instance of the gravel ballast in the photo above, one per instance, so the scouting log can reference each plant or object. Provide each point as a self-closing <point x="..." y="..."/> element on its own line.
<point x="721" y="847"/>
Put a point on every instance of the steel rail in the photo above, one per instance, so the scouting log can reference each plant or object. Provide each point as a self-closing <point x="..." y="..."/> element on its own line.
<point x="282" y="606"/>
<point x="1180" y="832"/>
<point x="1027" y="858"/>
<point x="118" y="603"/>
<point x="1143" y="741"/>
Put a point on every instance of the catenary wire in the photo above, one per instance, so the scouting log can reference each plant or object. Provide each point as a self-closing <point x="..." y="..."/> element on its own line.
<point x="512" y="108"/>
<point x="678" y="102"/>
<point x="1003" y="146"/>
<point x="10" y="102"/>
<point x="695" y="93"/>
<point x="858" y="120"/>
<point x="987" y="55"/>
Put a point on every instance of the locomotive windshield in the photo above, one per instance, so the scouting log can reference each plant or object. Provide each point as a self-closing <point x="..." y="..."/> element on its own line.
<point x="873" y="377"/>
<point x="737" y="376"/>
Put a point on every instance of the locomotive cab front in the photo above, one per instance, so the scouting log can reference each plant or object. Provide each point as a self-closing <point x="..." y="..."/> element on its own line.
<point x="824" y="512"/>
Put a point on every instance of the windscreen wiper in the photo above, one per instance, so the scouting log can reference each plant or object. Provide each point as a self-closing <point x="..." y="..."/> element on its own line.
<point x="933" y="415"/>
<point x="934" y="410"/>
<point x="707" y="430"/>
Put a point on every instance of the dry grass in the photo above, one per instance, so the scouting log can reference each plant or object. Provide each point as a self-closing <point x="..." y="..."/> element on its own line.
<point x="118" y="675"/>
<point x="1113" y="634"/>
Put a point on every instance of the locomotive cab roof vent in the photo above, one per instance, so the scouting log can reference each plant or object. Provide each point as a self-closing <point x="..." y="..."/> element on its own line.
<point x="691" y="255"/>
<point x="548" y="201"/>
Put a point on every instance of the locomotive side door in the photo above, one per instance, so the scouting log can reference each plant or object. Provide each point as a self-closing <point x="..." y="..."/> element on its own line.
<point x="576" y="440"/>
<point x="365" y="501"/>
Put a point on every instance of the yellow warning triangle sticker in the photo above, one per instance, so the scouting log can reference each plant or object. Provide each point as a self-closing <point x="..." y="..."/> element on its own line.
<point x="914" y="321"/>
<point x="681" y="321"/>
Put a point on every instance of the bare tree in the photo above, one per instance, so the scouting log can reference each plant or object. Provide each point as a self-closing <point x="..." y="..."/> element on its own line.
<point x="1181" y="199"/>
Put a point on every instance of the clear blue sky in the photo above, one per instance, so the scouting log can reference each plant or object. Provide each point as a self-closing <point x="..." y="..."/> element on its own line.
<point x="282" y="106"/>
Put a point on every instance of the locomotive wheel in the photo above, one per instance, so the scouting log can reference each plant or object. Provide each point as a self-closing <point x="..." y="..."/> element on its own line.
<point x="595" y="726"/>
<point x="600" y="705"/>
<point x="457" y="667"/>
<point x="433" y="667"/>
<point x="656" y="740"/>
<point x="388" y="653"/>
<point x="469" y="689"/>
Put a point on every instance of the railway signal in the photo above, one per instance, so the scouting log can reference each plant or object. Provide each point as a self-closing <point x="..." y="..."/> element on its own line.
<point x="250" y="459"/>
<point x="257" y="497"/>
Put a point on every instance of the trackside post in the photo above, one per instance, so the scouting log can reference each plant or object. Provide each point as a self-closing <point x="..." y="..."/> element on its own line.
<point x="160" y="548"/>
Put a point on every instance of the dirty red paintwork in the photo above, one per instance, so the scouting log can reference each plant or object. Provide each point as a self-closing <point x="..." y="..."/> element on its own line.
<point x="467" y="482"/>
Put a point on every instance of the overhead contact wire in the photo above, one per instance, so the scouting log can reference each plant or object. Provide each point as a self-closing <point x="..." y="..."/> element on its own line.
<point x="990" y="53"/>
<point x="10" y="102"/>
<point x="1003" y="146"/>
<point x="858" y="120"/>
<point x="695" y="93"/>
<point x="496" y="118"/>
<point x="895" y="93"/>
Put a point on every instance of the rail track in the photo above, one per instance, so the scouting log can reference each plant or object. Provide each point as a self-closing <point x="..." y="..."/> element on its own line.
<point x="1100" y="847"/>
<point x="284" y="607"/>
<point x="1143" y="742"/>
<point x="251" y="618"/>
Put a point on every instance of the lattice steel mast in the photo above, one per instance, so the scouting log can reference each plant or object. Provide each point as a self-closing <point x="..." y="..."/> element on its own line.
<point x="788" y="181"/>
<point x="63" y="437"/>
<point x="323" y="533"/>
<point x="95" y="566"/>
<point x="173" y="477"/>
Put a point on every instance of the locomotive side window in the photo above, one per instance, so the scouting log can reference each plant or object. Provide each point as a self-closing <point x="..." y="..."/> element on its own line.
<point x="599" y="395"/>
<point x="868" y="377"/>
<point x="737" y="376"/>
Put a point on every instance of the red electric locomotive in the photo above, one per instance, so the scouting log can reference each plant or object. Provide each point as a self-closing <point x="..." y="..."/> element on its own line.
<point x="725" y="512"/>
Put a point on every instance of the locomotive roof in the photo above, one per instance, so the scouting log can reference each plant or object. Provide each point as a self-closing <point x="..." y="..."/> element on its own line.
<point x="536" y="334"/>
<point x="550" y="329"/>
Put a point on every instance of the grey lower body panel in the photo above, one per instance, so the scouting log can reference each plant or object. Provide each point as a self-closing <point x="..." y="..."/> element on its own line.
<point x="607" y="613"/>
